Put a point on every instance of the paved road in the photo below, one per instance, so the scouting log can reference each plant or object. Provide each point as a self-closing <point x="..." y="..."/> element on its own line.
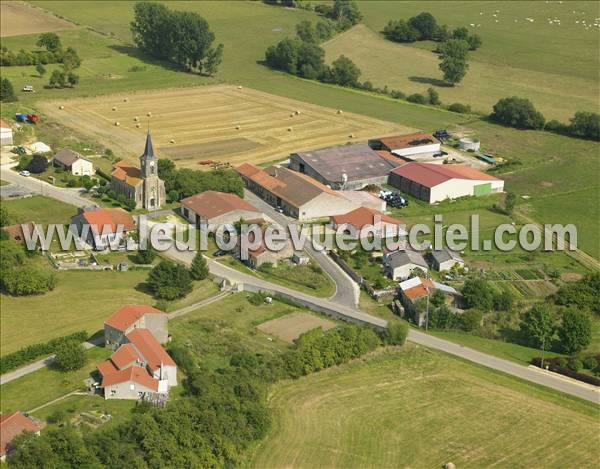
<point x="31" y="184"/>
<point x="347" y="290"/>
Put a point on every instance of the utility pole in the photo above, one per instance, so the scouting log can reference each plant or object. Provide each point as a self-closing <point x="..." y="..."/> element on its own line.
<point x="543" y="347"/>
<point x="427" y="311"/>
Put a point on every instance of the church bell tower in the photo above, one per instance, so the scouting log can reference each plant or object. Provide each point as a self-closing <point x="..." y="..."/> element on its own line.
<point x="153" y="187"/>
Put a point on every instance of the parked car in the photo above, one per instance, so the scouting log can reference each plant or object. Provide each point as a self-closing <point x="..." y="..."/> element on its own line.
<point x="28" y="89"/>
<point x="25" y="173"/>
<point x="219" y="253"/>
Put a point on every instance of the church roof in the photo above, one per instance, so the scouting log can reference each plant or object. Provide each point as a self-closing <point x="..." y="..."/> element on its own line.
<point x="148" y="149"/>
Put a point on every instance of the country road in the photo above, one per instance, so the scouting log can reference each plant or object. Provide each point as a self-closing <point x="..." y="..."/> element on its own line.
<point x="343" y="304"/>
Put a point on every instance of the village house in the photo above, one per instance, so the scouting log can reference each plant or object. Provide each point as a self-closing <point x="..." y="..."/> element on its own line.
<point x="11" y="426"/>
<point x="368" y="222"/>
<point x="139" y="369"/>
<point x="213" y="209"/>
<point x="437" y="182"/>
<point x="6" y="133"/>
<point x="257" y="256"/>
<point x="103" y="228"/>
<point x="446" y="259"/>
<point x="140" y="184"/>
<point x="293" y="193"/>
<point x="419" y="288"/>
<point x="73" y="162"/>
<point x="400" y="265"/>
<point x="131" y="317"/>
<point x="419" y="143"/>
<point x="347" y="167"/>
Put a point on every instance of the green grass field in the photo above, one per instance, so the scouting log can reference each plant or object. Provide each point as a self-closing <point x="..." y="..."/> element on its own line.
<point x="41" y="210"/>
<point x="418" y="408"/>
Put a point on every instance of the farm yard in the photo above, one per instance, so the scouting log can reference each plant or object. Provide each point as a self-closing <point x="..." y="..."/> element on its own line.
<point x="467" y="414"/>
<point x="18" y="18"/>
<point x="221" y="123"/>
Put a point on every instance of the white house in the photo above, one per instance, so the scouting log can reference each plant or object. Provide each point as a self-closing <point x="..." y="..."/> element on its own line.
<point x="73" y="162"/>
<point x="446" y="259"/>
<point x="437" y="182"/>
<point x="6" y="133"/>
<point x="400" y="265"/>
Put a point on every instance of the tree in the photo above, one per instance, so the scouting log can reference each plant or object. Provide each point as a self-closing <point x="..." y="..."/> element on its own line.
<point x="324" y="29"/>
<point x="396" y="333"/>
<point x="146" y="256"/>
<point x="425" y="24"/>
<point x="70" y="356"/>
<point x="4" y="217"/>
<point x="306" y="31"/>
<point x="455" y="49"/>
<point x="40" y="69"/>
<point x="517" y="112"/>
<point x="311" y="59"/>
<point x="478" y="293"/>
<point x="434" y="96"/>
<point x="585" y="125"/>
<point x="344" y="72"/>
<point x="50" y="41"/>
<point x="58" y="79"/>
<point x="538" y="325"/>
<point x="199" y="267"/>
<point x="346" y="13"/>
<point x="169" y="280"/>
<point x="38" y="164"/>
<point x="213" y="60"/>
<point x="509" y="202"/>
<point x="7" y="92"/>
<point x="575" y="331"/>
<point x="474" y="41"/>
<point x="400" y="31"/>
<point x="471" y="319"/>
<point x="284" y="56"/>
<point x="453" y="62"/>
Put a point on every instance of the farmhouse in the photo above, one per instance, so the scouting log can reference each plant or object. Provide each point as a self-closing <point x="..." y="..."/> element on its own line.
<point x="446" y="259"/>
<point x="369" y="222"/>
<point x="419" y="143"/>
<point x="6" y="133"/>
<point x="261" y="254"/>
<point x="140" y="184"/>
<point x="73" y="162"/>
<point x="400" y="265"/>
<point x="417" y="288"/>
<point x="343" y="167"/>
<point x="139" y="369"/>
<point x="131" y="317"/>
<point x="295" y="194"/>
<point x="214" y="208"/>
<point x="11" y="426"/>
<point x="103" y="228"/>
<point x="435" y="182"/>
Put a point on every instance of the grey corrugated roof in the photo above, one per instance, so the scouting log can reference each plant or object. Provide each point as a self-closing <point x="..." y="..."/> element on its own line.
<point x="358" y="162"/>
<point x="446" y="254"/>
<point x="400" y="258"/>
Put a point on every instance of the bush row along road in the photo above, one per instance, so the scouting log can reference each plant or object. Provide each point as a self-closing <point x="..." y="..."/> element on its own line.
<point x="339" y="302"/>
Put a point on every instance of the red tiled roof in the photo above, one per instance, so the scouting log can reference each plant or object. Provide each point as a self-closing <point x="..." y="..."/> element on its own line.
<point x="125" y="356"/>
<point x="136" y="374"/>
<point x="363" y="216"/>
<point x="150" y="348"/>
<point x="390" y="157"/>
<point x="211" y="204"/>
<point x="104" y="219"/>
<point x="416" y="139"/>
<point x="107" y="367"/>
<point x="129" y="314"/>
<point x="127" y="173"/>
<point x="11" y="426"/>
<point x="421" y="290"/>
<point x="431" y="175"/>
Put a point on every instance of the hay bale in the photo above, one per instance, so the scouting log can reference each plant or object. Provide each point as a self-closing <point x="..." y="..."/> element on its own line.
<point x="292" y="115"/>
<point x="289" y="129"/>
<point x="449" y="465"/>
<point x="136" y="119"/>
<point x="149" y="114"/>
<point x="138" y="125"/>
<point x="124" y="100"/>
<point x="297" y="112"/>
<point x="172" y="141"/>
<point x="240" y="87"/>
<point x="351" y="136"/>
<point x="114" y="108"/>
<point x="61" y="107"/>
<point x="117" y="123"/>
<point x="339" y="111"/>
<point x="237" y="127"/>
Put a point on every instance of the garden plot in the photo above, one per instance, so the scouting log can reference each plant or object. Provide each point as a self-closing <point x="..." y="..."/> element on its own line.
<point x="288" y="328"/>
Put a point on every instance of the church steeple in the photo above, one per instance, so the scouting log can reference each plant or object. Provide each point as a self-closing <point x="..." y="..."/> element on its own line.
<point x="148" y="159"/>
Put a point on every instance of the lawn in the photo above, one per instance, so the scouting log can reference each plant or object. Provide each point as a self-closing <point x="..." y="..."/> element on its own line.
<point x="47" y="384"/>
<point x="416" y="408"/>
<point x="41" y="210"/>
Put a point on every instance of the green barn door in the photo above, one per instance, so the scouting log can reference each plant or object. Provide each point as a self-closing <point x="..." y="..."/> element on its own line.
<point x="483" y="189"/>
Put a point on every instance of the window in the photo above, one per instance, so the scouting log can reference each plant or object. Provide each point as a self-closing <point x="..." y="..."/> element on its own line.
<point x="113" y="392"/>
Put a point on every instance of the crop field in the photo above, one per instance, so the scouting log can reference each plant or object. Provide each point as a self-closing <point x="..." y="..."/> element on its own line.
<point x="413" y="70"/>
<point x="221" y="123"/>
<point x="417" y="408"/>
<point x="292" y="326"/>
<point x="17" y="18"/>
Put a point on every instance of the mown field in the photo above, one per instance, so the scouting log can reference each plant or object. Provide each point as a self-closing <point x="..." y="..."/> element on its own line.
<point x="17" y="18"/>
<point x="418" y="408"/>
<point x="220" y="123"/>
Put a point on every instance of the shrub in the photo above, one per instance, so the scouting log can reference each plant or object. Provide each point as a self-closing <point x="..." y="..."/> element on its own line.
<point x="396" y="333"/>
<point x="590" y="363"/>
<point x="561" y="361"/>
<point x="25" y="281"/>
<point x="471" y="319"/>
<point x="169" y="280"/>
<point x="417" y="98"/>
<point x="38" y="164"/>
<point x="7" y="92"/>
<point x="575" y="364"/>
<point x="434" y="96"/>
<point x="257" y="298"/>
<point x="575" y="332"/>
<point x="145" y="256"/>
<point x="70" y="356"/>
<point x="517" y="112"/>
<point x="199" y="267"/>
<point x="459" y="108"/>
<point x="397" y="94"/>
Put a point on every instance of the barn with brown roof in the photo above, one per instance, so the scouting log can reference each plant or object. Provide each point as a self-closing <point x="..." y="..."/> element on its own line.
<point x="295" y="194"/>
<point x="436" y="182"/>
<point x="214" y="208"/>
<point x="418" y="143"/>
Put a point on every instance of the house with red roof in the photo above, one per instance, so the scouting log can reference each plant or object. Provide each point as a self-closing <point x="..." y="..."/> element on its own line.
<point x="212" y="208"/>
<point x="436" y="182"/>
<point x="11" y="426"/>
<point x="103" y="228"/>
<point x="140" y="368"/>
<point x="420" y="288"/>
<point x="369" y="222"/>
<point x="132" y="317"/>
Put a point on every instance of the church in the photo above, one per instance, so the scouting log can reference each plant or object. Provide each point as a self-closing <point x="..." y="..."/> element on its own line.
<point x="140" y="184"/>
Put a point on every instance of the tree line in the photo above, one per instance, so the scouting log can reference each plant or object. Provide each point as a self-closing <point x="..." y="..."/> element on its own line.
<point x="183" y="38"/>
